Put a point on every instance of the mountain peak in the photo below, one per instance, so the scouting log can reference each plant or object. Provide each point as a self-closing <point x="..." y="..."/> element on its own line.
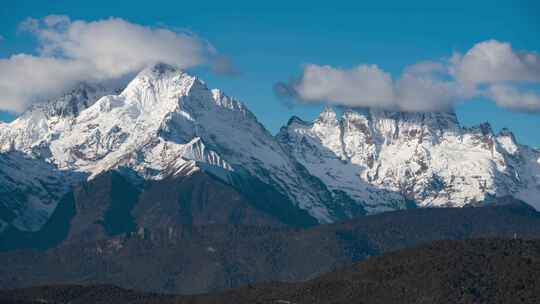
<point x="350" y="114"/>
<point x="443" y="120"/>
<point x="328" y="115"/>
<point x="71" y="103"/>
<point x="160" y="69"/>
<point x="484" y="128"/>
<point x="161" y="76"/>
<point x="295" y="119"/>
<point x="506" y="133"/>
<point x="160" y="88"/>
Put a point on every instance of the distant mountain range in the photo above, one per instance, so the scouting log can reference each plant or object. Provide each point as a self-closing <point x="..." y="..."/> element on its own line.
<point x="166" y="130"/>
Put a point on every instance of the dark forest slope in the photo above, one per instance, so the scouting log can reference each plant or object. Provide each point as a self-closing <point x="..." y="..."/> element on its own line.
<point x="182" y="258"/>
<point x="471" y="271"/>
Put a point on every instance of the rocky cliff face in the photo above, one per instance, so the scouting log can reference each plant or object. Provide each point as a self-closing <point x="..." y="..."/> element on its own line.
<point x="384" y="160"/>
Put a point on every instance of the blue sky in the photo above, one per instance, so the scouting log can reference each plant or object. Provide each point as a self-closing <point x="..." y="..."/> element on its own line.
<point x="271" y="42"/>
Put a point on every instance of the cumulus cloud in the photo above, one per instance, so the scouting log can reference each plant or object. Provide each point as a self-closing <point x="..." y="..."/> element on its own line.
<point x="71" y="51"/>
<point x="510" y="97"/>
<point x="490" y="68"/>
<point x="493" y="61"/>
<point x="418" y="89"/>
<point x="26" y="78"/>
<point x="425" y="92"/>
<point x="344" y="87"/>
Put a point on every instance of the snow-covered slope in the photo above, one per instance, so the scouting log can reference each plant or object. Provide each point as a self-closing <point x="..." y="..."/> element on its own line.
<point x="34" y="125"/>
<point x="385" y="159"/>
<point x="166" y="123"/>
<point x="30" y="190"/>
<point x="30" y="186"/>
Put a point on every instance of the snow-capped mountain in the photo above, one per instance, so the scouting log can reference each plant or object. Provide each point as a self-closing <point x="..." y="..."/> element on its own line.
<point x="31" y="187"/>
<point x="384" y="159"/>
<point x="167" y="123"/>
<point x="35" y="124"/>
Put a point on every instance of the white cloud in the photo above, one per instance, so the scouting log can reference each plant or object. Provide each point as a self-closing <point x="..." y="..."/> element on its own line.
<point x="509" y="97"/>
<point x="73" y="51"/>
<point x="345" y="87"/>
<point x="493" y="61"/>
<point x="419" y="93"/>
<point x="25" y="79"/>
<point x="427" y="85"/>
<point x="418" y="89"/>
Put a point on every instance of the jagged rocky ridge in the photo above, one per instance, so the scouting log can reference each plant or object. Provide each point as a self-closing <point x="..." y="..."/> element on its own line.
<point x="166" y="123"/>
<point x="384" y="160"/>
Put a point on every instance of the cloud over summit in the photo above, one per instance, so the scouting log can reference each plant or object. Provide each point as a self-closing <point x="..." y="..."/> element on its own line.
<point x="490" y="69"/>
<point x="71" y="51"/>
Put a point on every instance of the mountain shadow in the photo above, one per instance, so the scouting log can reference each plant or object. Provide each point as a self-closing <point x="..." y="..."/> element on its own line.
<point x="471" y="271"/>
<point x="197" y="256"/>
<point x="51" y="234"/>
